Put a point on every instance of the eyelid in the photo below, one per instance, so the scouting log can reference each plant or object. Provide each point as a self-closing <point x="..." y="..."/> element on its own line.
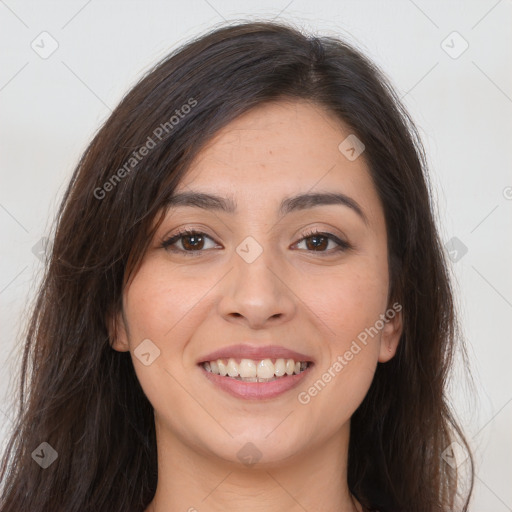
<point x="189" y="228"/>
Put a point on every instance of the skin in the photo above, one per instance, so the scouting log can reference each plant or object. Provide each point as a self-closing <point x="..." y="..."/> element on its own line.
<point x="311" y="301"/>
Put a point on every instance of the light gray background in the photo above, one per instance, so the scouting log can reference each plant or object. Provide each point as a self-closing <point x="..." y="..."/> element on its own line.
<point x="51" y="107"/>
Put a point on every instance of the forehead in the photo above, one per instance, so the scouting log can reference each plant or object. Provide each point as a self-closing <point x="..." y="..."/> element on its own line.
<point x="280" y="149"/>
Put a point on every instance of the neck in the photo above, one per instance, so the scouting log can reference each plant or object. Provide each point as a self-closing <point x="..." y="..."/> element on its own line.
<point x="315" y="479"/>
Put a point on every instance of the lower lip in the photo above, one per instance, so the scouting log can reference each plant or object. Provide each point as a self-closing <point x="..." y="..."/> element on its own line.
<point x="256" y="390"/>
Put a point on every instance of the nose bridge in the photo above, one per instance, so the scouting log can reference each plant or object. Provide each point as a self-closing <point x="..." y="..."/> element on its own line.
<point x="255" y="290"/>
<point x="254" y="269"/>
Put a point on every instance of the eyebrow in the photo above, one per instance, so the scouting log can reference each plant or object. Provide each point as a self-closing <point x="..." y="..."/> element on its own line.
<point x="288" y="205"/>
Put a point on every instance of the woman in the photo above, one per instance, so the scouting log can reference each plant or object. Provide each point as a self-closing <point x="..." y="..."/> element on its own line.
<point x="247" y="302"/>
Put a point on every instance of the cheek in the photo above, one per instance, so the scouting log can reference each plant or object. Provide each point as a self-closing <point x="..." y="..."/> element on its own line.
<point x="159" y="303"/>
<point x="347" y="300"/>
<point x="160" y="307"/>
<point x="348" y="305"/>
<point x="164" y="306"/>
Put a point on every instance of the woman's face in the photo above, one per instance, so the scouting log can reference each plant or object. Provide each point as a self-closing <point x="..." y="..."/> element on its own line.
<point x="256" y="275"/>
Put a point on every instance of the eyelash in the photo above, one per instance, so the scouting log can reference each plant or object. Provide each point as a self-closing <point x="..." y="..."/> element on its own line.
<point x="169" y="242"/>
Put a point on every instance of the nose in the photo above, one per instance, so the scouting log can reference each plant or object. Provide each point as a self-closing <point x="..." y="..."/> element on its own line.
<point x="257" y="294"/>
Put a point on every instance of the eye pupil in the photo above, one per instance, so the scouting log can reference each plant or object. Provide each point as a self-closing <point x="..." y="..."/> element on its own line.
<point x="195" y="240"/>
<point x="319" y="242"/>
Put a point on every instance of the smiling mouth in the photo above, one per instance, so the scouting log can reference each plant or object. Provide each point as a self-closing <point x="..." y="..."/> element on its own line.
<point x="250" y="370"/>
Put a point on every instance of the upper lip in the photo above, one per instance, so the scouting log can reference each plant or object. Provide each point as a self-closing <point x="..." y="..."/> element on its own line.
<point x="245" y="351"/>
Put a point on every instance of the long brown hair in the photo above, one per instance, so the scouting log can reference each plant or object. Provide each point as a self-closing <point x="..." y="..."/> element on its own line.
<point x="83" y="398"/>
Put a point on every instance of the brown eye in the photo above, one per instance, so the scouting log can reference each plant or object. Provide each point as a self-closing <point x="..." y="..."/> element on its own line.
<point x="189" y="242"/>
<point x="319" y="242"/>
<point x="192" y="242"/>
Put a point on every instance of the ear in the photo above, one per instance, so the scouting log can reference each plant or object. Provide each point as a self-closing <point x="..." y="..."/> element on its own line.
<point x="118" y="332"/>
<point x="391" y="333"/>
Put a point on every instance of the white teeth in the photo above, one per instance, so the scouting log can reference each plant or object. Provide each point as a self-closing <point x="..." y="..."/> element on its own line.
<point x="232" y="368"/>
<point x="280" y="368"/>
<point x="265" y="369"/>
<point x="222" y="368"/>
<point x="249" y="370"/>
